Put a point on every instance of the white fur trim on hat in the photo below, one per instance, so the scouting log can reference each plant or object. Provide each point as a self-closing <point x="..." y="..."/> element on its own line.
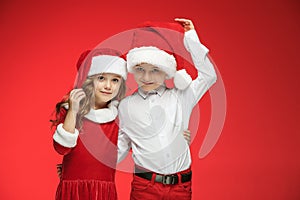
<point x="108" y="64"/>
<point x="154" y="56"/>
<point x="182" y="79"/>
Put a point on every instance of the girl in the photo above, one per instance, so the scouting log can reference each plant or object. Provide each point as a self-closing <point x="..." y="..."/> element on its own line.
<point x="88" y="168"/>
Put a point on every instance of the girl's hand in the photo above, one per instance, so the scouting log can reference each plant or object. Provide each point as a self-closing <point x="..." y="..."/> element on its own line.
<point x="186" y="23"/>
<point x="187" y="136"/>
<point x="76" y="95"/>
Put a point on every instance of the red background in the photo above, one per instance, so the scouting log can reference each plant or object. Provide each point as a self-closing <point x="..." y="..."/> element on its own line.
<point x="254" y="44"/>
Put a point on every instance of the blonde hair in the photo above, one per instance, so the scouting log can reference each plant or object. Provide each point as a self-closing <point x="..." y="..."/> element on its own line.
<point x="87" y="103"/>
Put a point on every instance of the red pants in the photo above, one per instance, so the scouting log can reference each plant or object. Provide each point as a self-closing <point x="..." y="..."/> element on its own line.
<point x="143" y="189"/>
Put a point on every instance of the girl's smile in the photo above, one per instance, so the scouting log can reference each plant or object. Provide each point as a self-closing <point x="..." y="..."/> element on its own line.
<point x="107" y="86"/>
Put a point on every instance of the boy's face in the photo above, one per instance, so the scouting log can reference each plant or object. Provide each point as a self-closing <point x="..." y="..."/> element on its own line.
<point x="149" y="77"/>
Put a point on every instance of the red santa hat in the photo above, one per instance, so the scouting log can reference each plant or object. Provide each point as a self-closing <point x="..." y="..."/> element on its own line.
<point x="160" y="44"/>
<point x="92" y="62"/>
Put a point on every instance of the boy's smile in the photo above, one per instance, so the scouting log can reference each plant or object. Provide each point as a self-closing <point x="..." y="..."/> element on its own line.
<point x="149" y="77"/>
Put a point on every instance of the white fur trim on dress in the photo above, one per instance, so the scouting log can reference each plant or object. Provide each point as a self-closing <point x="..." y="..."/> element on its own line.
<point x="65" y="138"/>
<point x="104" y="115"/>
<point x="108" y="64"/>
<point x="154" y="56"/>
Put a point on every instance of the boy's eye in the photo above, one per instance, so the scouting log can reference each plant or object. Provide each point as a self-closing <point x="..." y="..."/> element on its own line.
<point x="100" y="78"/>
<point x="155" y="70"/>
<point x="139" y="69"/>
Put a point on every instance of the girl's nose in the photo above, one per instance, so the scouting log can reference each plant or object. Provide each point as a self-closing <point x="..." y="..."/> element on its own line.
<point x="107" y="85"/>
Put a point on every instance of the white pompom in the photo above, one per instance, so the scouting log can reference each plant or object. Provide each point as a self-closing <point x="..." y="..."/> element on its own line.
<point x="182" y="79"/>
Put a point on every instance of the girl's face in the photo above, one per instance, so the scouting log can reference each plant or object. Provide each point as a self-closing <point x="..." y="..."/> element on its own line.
<point x="148" y="77"/>
<point x="106" y="86"/>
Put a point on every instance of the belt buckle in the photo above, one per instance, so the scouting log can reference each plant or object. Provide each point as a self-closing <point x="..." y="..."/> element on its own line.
<point x="168" y="179"/>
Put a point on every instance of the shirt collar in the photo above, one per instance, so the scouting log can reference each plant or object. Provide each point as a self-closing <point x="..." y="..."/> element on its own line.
<point x="160" y="90"/>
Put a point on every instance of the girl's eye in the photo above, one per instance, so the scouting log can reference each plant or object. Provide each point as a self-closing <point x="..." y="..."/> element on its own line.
<point x="115" y="80"/>
<point x="100" y="78"/>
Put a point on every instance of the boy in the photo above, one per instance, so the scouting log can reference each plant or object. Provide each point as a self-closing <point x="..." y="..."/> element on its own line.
<point x="153" y="118"/>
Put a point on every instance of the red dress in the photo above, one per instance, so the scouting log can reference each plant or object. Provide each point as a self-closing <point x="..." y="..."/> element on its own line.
<point x="88" y="169"/>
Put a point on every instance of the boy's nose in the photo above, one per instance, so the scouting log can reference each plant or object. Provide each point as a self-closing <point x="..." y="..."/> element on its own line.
<point x="146" y="76"/>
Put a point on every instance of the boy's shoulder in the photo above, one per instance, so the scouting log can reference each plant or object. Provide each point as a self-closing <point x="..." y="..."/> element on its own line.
<point x="127" y="98"/>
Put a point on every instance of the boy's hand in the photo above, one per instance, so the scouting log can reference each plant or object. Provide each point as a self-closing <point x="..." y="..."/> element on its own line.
<point x="187" y="136"/>
<point x="186" y="23"/>
<point x="59" y="170"/>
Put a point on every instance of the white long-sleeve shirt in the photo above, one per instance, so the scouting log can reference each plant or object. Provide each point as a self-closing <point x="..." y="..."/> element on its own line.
<point x="152" y="124"/>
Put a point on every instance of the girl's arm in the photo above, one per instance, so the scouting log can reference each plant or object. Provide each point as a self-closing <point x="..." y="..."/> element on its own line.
<point x="61" y="149"/>
<point x="65" y="136"/>
<point x="76" y="96"/>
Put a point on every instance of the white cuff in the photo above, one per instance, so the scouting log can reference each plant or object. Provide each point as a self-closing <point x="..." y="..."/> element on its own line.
<point x="65" y="138"/>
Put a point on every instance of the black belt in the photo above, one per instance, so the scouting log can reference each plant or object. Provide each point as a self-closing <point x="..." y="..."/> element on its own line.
<point x="171" y="179"/>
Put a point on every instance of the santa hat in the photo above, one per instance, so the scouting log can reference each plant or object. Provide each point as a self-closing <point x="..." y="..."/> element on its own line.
<point x="92" y="62"/>
<point x="160" y="44"/>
